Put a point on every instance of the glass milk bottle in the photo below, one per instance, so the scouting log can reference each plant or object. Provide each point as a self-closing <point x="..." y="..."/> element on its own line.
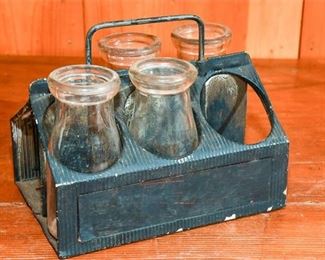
<point x="162" y="120"/>
<point x="223" y="99"/>
<point x="217" y="38"/>
<point x="85" y="137"/>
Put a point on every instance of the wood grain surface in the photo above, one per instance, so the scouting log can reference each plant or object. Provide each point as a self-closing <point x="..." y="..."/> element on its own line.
<point x="34" y="27"/>
<point x="313" y="30"/>
<point x="265" y="28"/>
<point x="273" y="29"/>
<point x="296" y="89"/>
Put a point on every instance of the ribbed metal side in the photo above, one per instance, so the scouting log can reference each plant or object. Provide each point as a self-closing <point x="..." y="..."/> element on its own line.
<point x="25" y="145"/>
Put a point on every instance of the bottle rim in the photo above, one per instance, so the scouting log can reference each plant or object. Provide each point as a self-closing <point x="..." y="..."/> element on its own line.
<point x="112" y="43"/>
<point x="184" y="33"/>
<point x="162" y="75"/>
<point x="83" y="80"/>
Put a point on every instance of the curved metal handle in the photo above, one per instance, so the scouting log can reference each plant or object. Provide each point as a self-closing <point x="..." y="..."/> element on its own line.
<point x="140" y="21"/>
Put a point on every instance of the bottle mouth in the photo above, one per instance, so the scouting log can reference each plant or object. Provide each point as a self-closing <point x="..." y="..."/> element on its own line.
<point x="130" y="44"/>
<point x="213" y="33"/>
<point x="83" y="84"/>
<point x="162" y="76"/>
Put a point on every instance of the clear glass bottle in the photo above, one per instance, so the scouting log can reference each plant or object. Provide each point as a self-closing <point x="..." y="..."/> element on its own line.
<point x="162" y="119"/>
<point x="85" y="137"/>
<point x="216" y="40"/>
<point x="121" y="50"/>
<point x="224" y="95"/>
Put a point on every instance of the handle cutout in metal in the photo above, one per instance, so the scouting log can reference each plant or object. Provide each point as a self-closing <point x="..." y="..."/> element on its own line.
<point x="141" y="21"/>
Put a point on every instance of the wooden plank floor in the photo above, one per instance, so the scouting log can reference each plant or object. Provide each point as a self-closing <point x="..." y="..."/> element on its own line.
<point x="297" y="91"/>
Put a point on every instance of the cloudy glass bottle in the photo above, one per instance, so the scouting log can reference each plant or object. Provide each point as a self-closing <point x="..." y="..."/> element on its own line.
<point x="85" y="137"/>
<point x="162" y="120"/>
<point x="223" y="98"/>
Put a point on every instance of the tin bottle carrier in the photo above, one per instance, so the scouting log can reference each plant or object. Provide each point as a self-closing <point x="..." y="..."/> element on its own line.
<point x="142" y="195"/>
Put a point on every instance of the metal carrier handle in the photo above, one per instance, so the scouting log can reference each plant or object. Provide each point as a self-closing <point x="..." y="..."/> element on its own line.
<point x="140" y="21"/>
